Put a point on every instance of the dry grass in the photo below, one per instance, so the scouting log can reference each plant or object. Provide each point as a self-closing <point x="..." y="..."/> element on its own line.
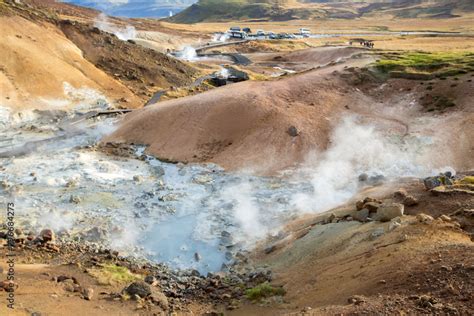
<point x="409" y="43"/>
<point x="378" y="27"/>
<point x="378" y="24"/>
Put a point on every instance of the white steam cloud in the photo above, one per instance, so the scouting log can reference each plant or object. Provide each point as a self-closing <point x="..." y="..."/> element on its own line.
<point x="220" y="37"/>
<point x="246" y="212"/>
<point x="124" y="34"/>
<point x="333" y="176"/>
<point x="187" y="53"/>
<point x="357" y="149"/>
<point x="224" y="73"/>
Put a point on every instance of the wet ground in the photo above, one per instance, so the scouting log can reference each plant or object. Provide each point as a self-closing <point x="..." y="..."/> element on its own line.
<point x="190" y="216"/>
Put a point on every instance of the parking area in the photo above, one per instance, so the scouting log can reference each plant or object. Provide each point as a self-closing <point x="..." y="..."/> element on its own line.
<point x="237" y="32"/>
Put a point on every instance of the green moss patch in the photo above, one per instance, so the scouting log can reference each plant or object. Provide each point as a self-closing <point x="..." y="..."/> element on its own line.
<point x="110" y="274"/>
<point x="424" y="65"/>
<point x="264" y="290"/>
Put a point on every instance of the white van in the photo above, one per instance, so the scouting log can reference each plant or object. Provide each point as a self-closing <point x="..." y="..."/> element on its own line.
<point x="304" y="31"/>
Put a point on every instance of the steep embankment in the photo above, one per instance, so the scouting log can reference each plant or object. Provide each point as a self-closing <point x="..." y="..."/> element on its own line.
<point x="78" y="60"/>
<point x="142" y="70"/>
<point x="37" y="61"/>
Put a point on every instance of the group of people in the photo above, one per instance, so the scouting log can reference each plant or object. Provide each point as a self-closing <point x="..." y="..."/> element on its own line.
<point x="368" y="44"/>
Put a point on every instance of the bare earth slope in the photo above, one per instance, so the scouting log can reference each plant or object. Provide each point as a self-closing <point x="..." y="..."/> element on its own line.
<point x="248" y="125"/>
<point x="141" y="69"/>
<point x="245" y="125"/>
<point x="77" y="60"/>
<point x="32" y="52"/>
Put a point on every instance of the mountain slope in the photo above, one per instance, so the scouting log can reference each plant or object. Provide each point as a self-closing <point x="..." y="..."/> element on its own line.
<point x="221" y="10"/>
<point x="136" y="8"/>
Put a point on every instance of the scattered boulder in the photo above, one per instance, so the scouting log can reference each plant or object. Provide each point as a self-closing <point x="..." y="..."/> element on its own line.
<point x="424" y="218"/>
<point x="410" y="200"/>
<point x="388" y="211"/>
<point x="47" y="235"/>
<point x="94" y="234"/>
<point x="393" y="225"/>
<point x="361" y="215"/>
<point x="150" y="279"/>
<point x="74" y="199"/>
<point x="332" y="218"/>
<point x="160" y="299"/>
<point x="197" y="256"/>
<point x="293" y="131"/>
<point x="400" y="194"/>
<point x="442" y="179"/>
<point x="8" y="286"/>
<point x="445" y="218"/>
<point x="139" y="288"/>
<point x="138" y="178"/>
<point x="377" y="233"/>
<point x="426" y="301"/>
<point x="372" y="206"/>
<point x="356" y="299"/>
<point x="360" y="205"/>
<point x="465" y="218"/>
<point x="63" y="278"/>
<point x="431" y="183"/>
<point x="19" y="236"/>
<point x="88" y="293"/>
<point x="269" y="249"/>
<point x="376" y="180"/>
<point x="69" y="287"/>
<point x="202" y="179"/>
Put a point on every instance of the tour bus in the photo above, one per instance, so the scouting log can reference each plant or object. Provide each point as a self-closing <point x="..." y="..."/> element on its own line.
<point x="237" y="34"/>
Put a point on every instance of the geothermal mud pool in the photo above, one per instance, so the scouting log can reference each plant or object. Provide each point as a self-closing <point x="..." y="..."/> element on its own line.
<point x="188" y="216"/>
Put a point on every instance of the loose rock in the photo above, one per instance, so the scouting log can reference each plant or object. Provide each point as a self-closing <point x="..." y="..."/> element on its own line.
<point x="138" y="288"/>
<point x="88" y="293"/>
<point x="293" y="131"/>
<point x="410" y="201"/>
<point x="423" y="218"/>
<point x="400" y="194"/>
<point x="386" y="212"/>
<point x="160" y="299"/>
<point x="150" y="279"/>
<point x="47" y="235"/>
<point x="362" y="215"/>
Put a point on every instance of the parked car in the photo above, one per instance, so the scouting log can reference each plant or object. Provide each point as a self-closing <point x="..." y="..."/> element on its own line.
<point x="304" y="31"/>
<point x="272" y="35"/>
<point x="284" y="36"/>
<point x="247" y="30"/>
<point x="260" y="33"/>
